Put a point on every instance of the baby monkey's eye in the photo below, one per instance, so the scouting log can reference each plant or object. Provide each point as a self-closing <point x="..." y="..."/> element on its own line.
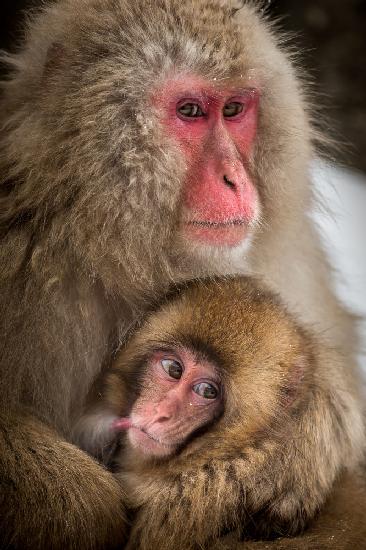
<point x="206" y="390"/>
<point x="172" y="368"/>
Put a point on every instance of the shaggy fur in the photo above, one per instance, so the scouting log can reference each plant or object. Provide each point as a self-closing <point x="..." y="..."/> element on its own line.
<point x="90" y="190"/>
<point x="265" y="467"/>
<point x="340" y="525"/>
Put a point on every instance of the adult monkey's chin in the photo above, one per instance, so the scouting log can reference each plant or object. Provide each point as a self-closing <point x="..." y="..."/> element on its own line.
<point x="216" y="234"/>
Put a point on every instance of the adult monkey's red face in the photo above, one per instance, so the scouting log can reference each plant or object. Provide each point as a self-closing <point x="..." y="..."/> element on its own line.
<point x="215" y="128"/>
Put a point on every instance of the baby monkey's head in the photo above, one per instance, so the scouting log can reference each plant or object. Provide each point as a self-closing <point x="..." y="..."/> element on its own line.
<point x="219" y="360"/>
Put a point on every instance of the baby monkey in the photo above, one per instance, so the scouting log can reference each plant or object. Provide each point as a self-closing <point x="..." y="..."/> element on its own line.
<point x="217" y="401"/>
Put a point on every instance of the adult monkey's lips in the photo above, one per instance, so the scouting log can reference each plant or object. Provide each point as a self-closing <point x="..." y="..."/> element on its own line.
<point x="217" y="224"/>
<point x="217" y="233"/>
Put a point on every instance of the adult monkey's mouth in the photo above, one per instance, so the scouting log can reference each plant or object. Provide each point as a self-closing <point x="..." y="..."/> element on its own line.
<point x="218" y="225"/>
<point x="217" y="233"/>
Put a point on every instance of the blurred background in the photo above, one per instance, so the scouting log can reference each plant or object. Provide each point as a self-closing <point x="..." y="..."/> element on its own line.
<point x="330" y="36"/>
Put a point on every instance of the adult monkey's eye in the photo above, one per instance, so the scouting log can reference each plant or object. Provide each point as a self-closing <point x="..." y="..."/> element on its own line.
<point x="190" y="110"/>
<point x="206" y="390"/>
<point x="172" y="368"/>
<point x="232" y="109"/>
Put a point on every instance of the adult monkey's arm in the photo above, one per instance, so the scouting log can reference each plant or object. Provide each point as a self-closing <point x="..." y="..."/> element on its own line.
<point x="81" y="503"/>
<point x="340" y="525"/>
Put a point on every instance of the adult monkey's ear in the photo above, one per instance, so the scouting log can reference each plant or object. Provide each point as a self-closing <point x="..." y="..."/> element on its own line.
<point x="234" y="5"/>
<point x="55" y="56"/>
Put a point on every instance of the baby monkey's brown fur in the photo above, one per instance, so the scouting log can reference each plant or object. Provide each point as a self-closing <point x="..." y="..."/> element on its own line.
<point x="256" y="469"/>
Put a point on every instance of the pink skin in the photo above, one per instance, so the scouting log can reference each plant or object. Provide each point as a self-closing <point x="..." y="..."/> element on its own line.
<point x="220" y="199"/>
<point x="168" y="410"/>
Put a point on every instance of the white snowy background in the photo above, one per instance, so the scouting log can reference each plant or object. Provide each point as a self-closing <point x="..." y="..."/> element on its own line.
<point x="343" y="229"/>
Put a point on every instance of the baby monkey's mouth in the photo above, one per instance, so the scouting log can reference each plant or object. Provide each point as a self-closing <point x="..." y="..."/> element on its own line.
<point x="155" y="439"/>
<point x="125" y="424"/>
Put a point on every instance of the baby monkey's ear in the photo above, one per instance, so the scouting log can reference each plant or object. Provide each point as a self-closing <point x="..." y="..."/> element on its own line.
<point x="296" y="383"/>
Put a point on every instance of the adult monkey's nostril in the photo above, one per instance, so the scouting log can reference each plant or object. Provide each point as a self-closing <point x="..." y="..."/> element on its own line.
<point x="229" y="183"/>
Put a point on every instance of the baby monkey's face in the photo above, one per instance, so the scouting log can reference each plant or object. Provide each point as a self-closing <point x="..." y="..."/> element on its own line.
<point x="181" y="393"/>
